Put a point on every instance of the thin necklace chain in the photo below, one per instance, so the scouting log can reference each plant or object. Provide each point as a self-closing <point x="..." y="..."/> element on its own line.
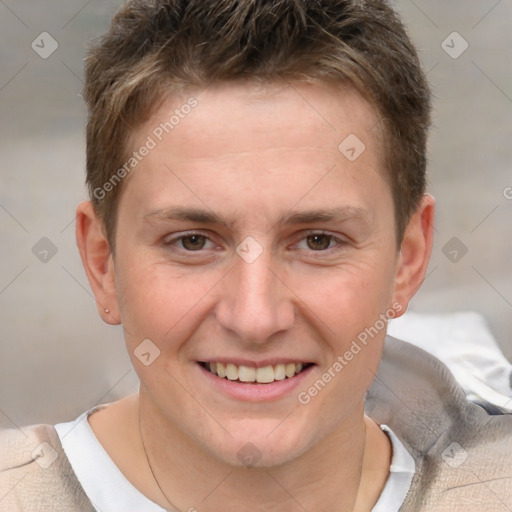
<point x="361" y="466"/>
<point x="174" y="508"/>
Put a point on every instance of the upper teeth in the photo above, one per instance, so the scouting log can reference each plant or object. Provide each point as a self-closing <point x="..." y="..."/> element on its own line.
<point x="262" y="375"/>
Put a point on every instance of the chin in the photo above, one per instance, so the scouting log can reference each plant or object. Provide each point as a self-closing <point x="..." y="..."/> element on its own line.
<point x="261" y="444"/>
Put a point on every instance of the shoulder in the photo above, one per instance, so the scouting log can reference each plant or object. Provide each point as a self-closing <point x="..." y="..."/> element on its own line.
<point x="463" y="455"/>
<point x="35" y="473"/>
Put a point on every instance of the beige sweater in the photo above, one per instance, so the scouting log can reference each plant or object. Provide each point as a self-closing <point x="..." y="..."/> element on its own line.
<point x="463" y="456"/>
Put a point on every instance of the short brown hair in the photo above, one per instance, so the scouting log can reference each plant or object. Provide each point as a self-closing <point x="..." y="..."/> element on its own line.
<point x="154" y="47"/>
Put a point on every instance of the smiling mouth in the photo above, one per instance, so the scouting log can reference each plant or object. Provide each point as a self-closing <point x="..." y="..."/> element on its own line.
<point x="248" y="374"/>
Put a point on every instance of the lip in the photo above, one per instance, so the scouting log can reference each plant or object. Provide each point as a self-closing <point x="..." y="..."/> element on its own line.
<point x="254" y="392"/>
<point x="255" y="364"/>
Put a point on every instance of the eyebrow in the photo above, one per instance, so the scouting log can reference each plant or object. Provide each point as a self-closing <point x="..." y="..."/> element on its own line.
<point x="339" y="214"/>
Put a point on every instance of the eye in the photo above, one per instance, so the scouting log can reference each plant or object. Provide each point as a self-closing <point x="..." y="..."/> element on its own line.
<point x="190" y="242"/>
<point x="193" y="242"/>
<point x="319" y="242"/>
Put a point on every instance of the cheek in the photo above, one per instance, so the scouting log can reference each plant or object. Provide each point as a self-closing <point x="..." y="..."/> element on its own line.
<point x="152" y="313"/>
<point x="156" y="300"/>
<point x="351" y="311"/>
<point x="350" y="307"/>
<point x="349" y="298"/>
<point x="144" y="298"/>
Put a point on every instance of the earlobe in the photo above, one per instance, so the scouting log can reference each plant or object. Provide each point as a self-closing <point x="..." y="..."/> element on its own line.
<point x="415" y="253"/>
<point x="97" y="261"/>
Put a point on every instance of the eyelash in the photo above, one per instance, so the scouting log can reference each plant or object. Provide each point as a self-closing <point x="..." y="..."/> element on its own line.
<point x="340" y="243"/>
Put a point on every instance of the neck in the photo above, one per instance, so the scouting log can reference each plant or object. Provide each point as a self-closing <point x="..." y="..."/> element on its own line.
<point x="182" y="475"/>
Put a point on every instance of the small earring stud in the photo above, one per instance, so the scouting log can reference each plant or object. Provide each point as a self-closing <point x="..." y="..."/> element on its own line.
<point x="107" y="310"/>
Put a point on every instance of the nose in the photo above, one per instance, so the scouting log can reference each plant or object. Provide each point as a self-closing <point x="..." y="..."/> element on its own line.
<point x="255" y="303"/>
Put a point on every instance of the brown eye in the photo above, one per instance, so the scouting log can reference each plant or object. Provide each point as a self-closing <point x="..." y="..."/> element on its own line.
<point x="193" y="242"/>
<point x="318" y="242"/>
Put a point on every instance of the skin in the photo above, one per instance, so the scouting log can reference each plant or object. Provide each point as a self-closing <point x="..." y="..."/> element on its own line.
<point x="251" y="155"/>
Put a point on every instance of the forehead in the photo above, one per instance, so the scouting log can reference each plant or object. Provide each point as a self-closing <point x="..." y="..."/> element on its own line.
<point x="224" y="112"/>
<point x="273" y="139"/>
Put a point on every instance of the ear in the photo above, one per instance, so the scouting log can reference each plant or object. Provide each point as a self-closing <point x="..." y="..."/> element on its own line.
<point x="97" y="261"/>
<point x="415" y="253"/>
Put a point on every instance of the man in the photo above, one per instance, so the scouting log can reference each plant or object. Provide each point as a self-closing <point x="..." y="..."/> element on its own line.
<point x="258" y="213"/>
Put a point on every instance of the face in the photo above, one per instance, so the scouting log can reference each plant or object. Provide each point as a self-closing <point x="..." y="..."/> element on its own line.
<point x="250" y="242"/>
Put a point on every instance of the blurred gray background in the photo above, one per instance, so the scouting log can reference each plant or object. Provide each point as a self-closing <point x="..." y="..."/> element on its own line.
<point x="57" y="358"/>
